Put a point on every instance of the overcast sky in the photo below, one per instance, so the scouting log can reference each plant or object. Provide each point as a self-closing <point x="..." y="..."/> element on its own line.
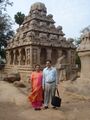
<point x="72" y="15"/>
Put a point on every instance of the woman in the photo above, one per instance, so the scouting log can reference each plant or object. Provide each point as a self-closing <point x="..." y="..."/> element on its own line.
<point x="35" y="96"/>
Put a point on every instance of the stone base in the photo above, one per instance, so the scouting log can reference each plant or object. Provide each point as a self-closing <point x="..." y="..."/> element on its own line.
<point x="23" y="70"/>
<point x="79" y="86"/>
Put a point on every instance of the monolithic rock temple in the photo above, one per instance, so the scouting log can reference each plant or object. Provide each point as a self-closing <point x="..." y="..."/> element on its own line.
<point x="84" y="53"/>
<point x="37" y="40"/>
<point x="82" y="84"/>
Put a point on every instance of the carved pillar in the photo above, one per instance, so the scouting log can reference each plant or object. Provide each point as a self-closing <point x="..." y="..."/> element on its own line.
<point x="27" y="52"/>
<point x="34" y="55"/>
<point x="31" y="60"/>
<point x="38" y="55"/>
<point x="19" y="56"/>
<point x="69" y="62"/>
<point x="49" y="51"/>
<point x="8" y="57"/>
<point x="14" y="57"/>
<point x="69" y="57"/>
<point x="59" y="53"/>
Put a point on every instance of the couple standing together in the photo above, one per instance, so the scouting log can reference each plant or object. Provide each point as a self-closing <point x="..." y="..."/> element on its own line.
<point x="46" y="82"/>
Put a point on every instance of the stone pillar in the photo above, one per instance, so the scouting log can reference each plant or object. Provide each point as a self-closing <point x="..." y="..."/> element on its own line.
<point x="38" y="55"/>
<point x="14" y="57"/>
<point x="68" y="65"/>
<point x="19" y="56"/>
<point x="59" y="53"/>
<point x="8" y="57"/>
<point x="35" y="55"/>
<point x="31" y="60"/>
<point x="49" y="51"/>
<point x="27" y="52"/>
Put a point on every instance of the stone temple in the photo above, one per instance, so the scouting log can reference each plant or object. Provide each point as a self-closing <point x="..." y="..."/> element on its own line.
<point x="81" y="85"/>
<point x="37" y="40"/>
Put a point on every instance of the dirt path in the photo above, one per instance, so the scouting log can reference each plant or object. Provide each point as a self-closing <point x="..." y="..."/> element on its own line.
<point x="14" y="106"/>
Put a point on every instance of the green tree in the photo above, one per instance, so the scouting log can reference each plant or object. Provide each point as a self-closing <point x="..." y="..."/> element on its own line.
<point x="4" y="4"/>
<point x="19" y="18"/>
<point x="77" y="60"/>
<point x="6" y="31"/>
<point x="77" y="41"/>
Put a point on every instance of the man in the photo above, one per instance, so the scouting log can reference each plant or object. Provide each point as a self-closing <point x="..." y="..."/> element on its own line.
<point x="50" y="82"/>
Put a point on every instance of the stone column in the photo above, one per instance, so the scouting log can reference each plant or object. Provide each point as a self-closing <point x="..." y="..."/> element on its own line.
<point x="8" y="57"/>
<point x="27" y="52"/>
<point x="49" y="51"/>
<point x="19" y="56"/>
<point x="59" y="53"/>
<point x="68" y="65"/>
<point x="14" y="57"/>
<point x="31" y="60"/>
<point x="38" y="56"/>
<point x="35" y="55"/>
<point x="69" y="56"/>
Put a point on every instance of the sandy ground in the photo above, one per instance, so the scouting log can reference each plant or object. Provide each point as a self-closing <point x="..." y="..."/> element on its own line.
<point x="14" y="106"/>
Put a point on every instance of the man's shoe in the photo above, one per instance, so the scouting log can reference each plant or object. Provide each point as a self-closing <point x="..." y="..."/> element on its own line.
<point x="45" y="107"/>
<point x="54" y="107"/>
<point x="37" y="108"/>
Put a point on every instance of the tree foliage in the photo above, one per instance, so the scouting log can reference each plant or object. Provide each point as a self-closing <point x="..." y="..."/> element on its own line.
<point x="86" y="29"/>
<point x="78" y="61"/>
<point x="6" y="31"/>
<point x="19" y="18"/>
<point x="77" y="41"/>
<point x="4" y="4"/>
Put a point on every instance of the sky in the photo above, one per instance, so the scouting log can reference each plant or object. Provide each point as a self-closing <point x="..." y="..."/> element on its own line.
<point x="72" y="15"/>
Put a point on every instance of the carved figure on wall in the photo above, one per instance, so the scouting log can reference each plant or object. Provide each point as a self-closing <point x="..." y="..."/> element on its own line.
<point x="43" y="35"/>
<point x="33" y="22"/>
<point x="52" y="26"/>
<point x="43" y="14"/>
<point x="42" y="24"/>
<point x="53" y="37"/>
<point x="30" y="35"/>
<point x="60" y="66"/>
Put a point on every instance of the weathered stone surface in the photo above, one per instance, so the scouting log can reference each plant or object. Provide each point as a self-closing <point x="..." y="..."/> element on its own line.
<point x="36" y="40"/>
<point x="12" y="77"/>
<point x="82" y="85"/>
<point x="84" y="53"/>
<point x="19" y="84"/>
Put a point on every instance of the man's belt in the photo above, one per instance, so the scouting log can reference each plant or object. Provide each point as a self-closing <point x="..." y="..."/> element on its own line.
<point x="50" y="82"/>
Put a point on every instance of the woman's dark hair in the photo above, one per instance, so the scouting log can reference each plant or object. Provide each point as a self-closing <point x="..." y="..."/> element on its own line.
<point x="37" y="65"/>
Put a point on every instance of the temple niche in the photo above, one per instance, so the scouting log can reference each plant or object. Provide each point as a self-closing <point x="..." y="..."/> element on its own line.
<point x="37" y="40"/>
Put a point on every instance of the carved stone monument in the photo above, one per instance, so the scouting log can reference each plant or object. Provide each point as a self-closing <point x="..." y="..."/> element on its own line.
<point x="36" y="40"/>
<point x="82" y="84"/>
<point x="84" y="54"/>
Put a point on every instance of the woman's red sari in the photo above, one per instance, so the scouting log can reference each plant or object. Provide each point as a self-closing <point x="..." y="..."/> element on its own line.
<point x="35" y="96"/>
